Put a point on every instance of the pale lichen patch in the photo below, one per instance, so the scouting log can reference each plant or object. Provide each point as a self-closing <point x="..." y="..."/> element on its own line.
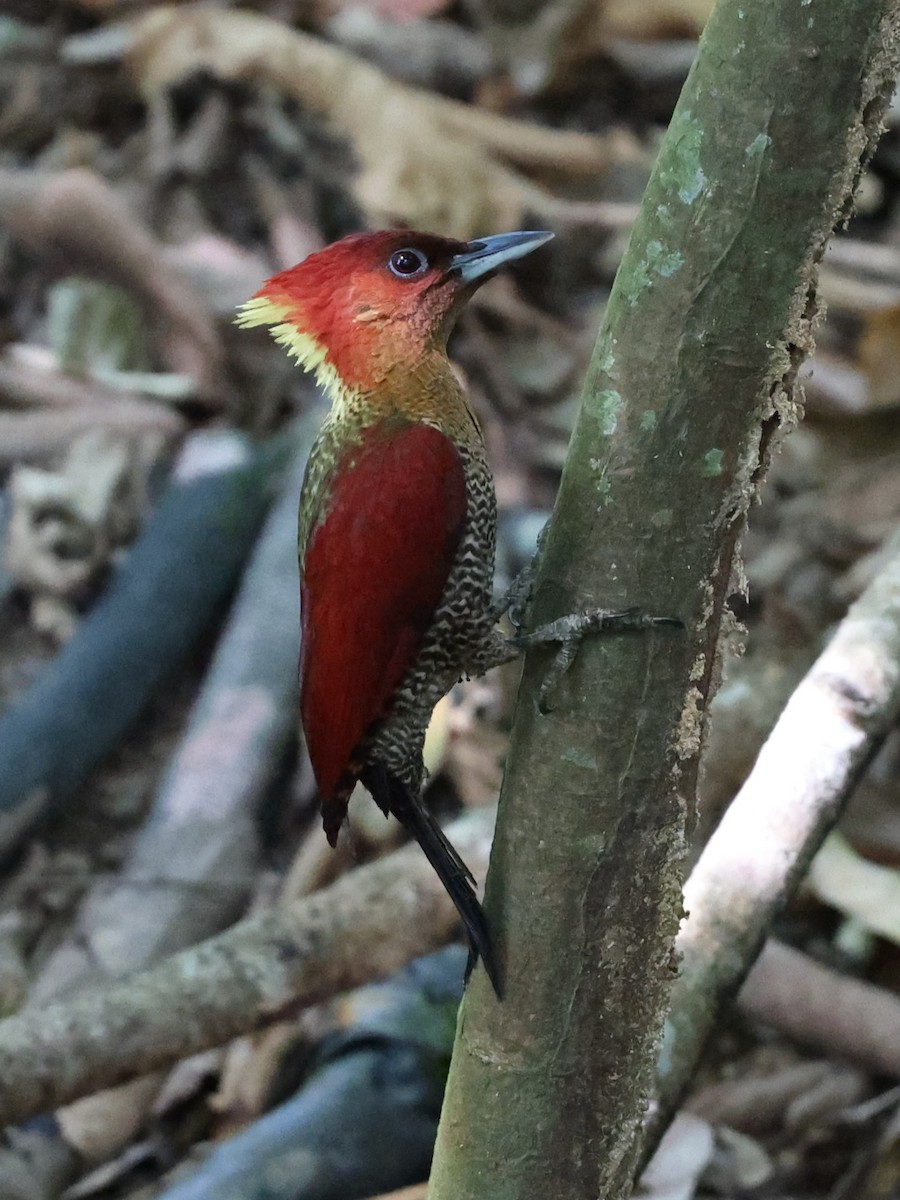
<point x="580" y="758"/>
<point x="609" y="405"/>
<point x="685" y="176"/>
<point x="664" y="262"/>
<point x="658" y="261"/>
<point x="689" y="734"/>
<point x="606" y="360"/>
<point x="758" y="146"/>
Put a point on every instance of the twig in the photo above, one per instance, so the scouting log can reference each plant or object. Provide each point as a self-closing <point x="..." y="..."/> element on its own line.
<point x="365" y="926"/>
<point x="752" y="864"/>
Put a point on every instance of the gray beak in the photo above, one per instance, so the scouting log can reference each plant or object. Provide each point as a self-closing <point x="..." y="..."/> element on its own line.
<point x="487" y="254"/>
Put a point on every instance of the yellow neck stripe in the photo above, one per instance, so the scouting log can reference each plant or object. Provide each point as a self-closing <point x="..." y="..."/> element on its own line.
<point x="309" y="354"/>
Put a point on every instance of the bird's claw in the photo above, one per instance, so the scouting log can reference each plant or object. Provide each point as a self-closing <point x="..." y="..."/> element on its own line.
<point x="515" y="600"/>
<point x="569" y="632"/>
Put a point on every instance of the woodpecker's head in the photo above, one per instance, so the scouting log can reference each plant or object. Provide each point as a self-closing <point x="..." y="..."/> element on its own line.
<point x="375" y="301"/>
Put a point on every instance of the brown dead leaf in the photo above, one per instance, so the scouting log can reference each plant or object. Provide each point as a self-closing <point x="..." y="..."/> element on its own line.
<point x="187" y="1079"/>
<point x="845" y="1017"/>
<point x="425" y="161"/>
<point x="756" y="1101"/>
<point x="793" y="1096"/>
<point x="872" y="818"/>
<point x="879" y="357"/>
<point x="251" y="1064"/>
<point x="476" y="747"/>
<point x="739" y="1164"/>
<point x="590" y="29"/>
<point x="823" y="1103"/>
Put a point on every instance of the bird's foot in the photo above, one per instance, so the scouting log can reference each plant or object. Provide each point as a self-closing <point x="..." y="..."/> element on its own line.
<point x="569" y="632"/>
<point x="515" y="600"/>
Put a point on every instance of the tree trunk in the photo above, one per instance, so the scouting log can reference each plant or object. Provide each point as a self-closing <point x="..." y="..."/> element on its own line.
<point x="694" y="372"/>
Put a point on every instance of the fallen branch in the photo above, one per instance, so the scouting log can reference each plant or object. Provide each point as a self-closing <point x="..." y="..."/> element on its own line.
<point x="365" y="926"/>
<point x="385" y="1071"/>
<point x="190" y="870"/>
<point x="805" y="772"/>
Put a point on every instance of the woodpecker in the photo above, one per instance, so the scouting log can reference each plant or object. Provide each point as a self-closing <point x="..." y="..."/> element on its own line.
<point x="397" y="519"/>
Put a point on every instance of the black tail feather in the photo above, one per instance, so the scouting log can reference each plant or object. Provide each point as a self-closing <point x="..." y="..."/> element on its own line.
<point x="391" y="795"/>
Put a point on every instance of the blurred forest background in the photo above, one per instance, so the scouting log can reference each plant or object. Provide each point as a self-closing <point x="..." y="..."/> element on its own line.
<point x="156" y="165"/>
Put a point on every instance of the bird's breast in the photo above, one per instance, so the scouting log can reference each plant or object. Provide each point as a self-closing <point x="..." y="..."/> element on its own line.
<point x="383" y="518"/>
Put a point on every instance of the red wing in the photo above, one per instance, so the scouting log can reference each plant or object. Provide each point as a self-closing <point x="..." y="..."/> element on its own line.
<point x="374" y="574"/>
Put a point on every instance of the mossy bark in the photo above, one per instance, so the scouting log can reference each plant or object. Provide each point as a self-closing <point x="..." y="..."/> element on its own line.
<point x="693" y="374"/>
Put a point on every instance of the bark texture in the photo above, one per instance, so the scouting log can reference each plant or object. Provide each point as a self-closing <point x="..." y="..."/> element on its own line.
<point x="694" y="372"/>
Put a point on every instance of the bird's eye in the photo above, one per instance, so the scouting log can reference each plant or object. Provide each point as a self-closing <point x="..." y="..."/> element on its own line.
<point x="408" y="262"/>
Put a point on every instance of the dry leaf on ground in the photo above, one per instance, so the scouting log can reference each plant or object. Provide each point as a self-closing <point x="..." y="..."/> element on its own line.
<point x="879" y="357"/>
<point x="426" y="161"/>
